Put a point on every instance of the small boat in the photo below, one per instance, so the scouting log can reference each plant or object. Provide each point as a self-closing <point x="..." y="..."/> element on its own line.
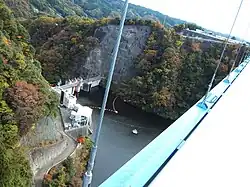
<point x="134" y="131"/>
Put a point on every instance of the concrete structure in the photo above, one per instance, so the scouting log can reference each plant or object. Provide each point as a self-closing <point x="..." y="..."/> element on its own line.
<point x="74" y="131"/>
<point x="81" y="116"/>
<point x="77" y="85"/>
<point x="90" y="83"/>
<point x="76" y="116"/>
<point x="69" y="100"/>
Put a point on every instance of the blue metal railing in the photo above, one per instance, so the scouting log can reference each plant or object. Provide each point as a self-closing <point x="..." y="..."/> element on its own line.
<point x="144" y="165"/>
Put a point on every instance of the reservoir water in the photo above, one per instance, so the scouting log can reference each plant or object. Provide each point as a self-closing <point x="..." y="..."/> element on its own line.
<point x="117" y="143"/>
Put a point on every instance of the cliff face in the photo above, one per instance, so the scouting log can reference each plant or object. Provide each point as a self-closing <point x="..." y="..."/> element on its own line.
<point x="132" y="44"/>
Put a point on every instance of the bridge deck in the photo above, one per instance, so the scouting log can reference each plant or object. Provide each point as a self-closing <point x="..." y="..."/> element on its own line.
<point x="142" y="168"/>
<point x="217" y="153"/>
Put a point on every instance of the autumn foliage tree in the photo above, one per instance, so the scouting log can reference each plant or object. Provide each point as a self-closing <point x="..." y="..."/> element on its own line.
<point x="80" y="139"/>
<point x="27" y="102"/>
<point x="25" y="96"/>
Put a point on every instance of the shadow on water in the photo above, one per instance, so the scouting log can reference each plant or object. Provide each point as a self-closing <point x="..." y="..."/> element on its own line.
<point x="117" y="144"/>
<point x="148" y="120"/>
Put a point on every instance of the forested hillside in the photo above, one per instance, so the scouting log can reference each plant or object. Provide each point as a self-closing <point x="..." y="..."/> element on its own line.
<point x="174" y="77"/>
<point x="25" y="96"/>
<point x="172" y="72"/>
<point x="95" y="9"/>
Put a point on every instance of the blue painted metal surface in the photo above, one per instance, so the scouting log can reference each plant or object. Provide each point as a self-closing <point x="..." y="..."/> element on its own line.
<point x="138" y="171"/>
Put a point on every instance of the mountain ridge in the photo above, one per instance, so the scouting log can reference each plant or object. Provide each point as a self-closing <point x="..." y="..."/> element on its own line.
<point x="95" y="9"/>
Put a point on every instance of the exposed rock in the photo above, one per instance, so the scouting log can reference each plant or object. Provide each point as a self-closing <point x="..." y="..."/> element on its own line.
<point x="132" y="44"/>
<point x="46" y="130"/>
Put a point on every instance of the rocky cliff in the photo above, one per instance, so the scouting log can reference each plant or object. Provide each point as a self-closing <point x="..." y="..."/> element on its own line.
<point x="132" y="44"/>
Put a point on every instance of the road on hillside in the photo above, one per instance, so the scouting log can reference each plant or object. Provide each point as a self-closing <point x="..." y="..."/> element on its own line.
<point x="71" y="146"/>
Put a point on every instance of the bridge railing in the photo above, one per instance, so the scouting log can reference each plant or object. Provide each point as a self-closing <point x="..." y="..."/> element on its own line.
<point x="139" y="170"/>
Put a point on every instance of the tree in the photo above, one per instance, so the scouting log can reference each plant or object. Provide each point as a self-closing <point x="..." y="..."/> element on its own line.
<point x="15" y="169"/>
<point x="80" y="140"/>
<point x="192" y="26"/>
<point x="70" y="168"/>
<point x="26" y="100"/>
<point x="9" y="132"/>
<point x="179" y="28"/>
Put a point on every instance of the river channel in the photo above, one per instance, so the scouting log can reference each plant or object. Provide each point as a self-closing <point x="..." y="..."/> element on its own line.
<point x="117" y="143"/>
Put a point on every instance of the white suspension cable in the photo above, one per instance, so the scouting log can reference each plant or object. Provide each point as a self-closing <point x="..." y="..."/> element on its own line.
<point x="203" y="104"/>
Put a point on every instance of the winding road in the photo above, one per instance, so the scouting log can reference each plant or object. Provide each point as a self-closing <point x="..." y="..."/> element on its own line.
<point x="71" y="146"/>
